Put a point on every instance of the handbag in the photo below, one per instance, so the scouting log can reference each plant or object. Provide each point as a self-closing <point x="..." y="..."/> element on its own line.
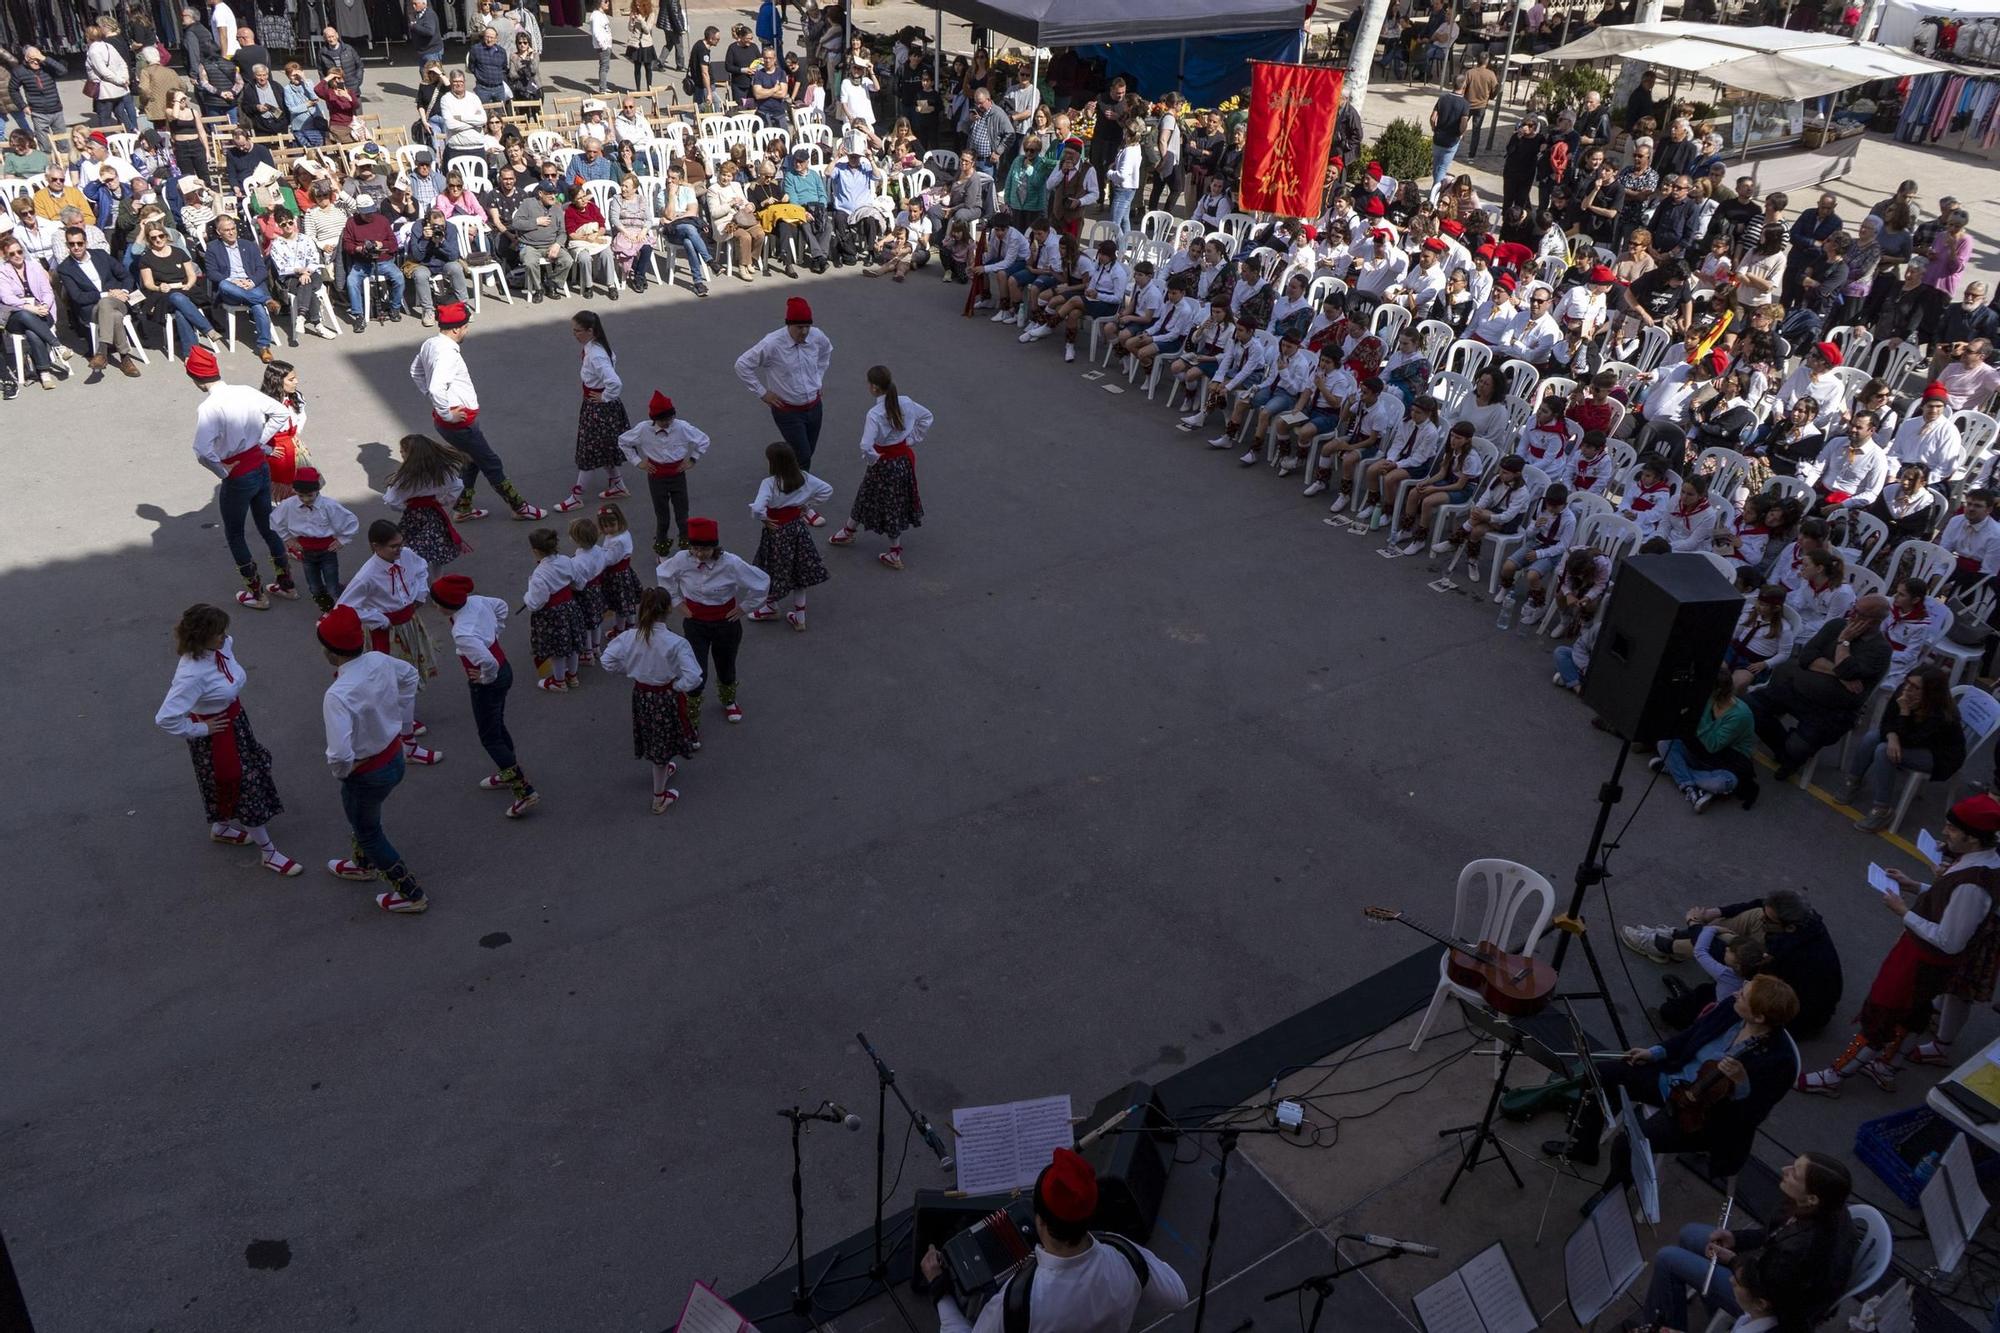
<point x="92" y="89"/>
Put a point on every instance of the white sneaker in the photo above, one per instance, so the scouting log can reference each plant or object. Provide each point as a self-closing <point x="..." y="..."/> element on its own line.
<point x="1040" y="331"/>
<point x="1414" y="546"/>
<point x="1338" y="506"/>
<point x="1222" y="441"/>
<point x="1193" y="419"/>
<point x="1315" y="486"/>
<point x="1028" y="336"/>
<point x="1069" y="352"/>
<point x="1287" y="466"/>
<point x="1534" y="613"/>
<point x="1472" y="570"/>
<point x="1441" y="547"/>
<point x="1250" y="459"/>
<point x="1002" y="316"/>
<point x="984" y="304"/>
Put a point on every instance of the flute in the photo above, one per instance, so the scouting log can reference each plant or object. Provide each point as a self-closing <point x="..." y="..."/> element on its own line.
<point x="1728" y="1205"/>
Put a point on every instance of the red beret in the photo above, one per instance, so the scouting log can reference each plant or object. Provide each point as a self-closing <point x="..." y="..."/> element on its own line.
<point x="201" y="365"/>
<point x="1935" y="389"/>
<point x="1311" y="232"/>
<point x="1379" y="234"/>
<point x="1452" y="227"/>
<point x="1434" y="245"/>
<point x="99" y="137"/>
<point x="1829" y="351"/>
<point x="1600" y="275"/>
<point x="659" y="405"/>
<point x="1506" y="282"/>
<point x="1978" y="814"/>
<point x="1067" y="1189"/>
<point x="1375" y="170"/>
<point x="1374" y="207"/>
<point x="797" y="311"/>
<point x="1718" y="361"/>
<point x="453" y="315"/>
<point x="702" y="531"/>
<point x="307" y="479"/>
<point x="451" y="590"/>
<point x="1339" y="165"/>
<point x="340" y="630"/>
<point x="1486" y="251"/>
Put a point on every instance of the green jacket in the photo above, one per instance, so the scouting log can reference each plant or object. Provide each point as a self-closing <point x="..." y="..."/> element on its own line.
<point x="1731" y="731"/>
<point x="1028" y="182"/>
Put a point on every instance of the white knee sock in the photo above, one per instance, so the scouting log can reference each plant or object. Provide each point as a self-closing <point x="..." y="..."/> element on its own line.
<point x="1951" y="1017"/>
<point x="799" y="602"/>
<point x="260" y="837"/>
<point x="582" y="482"/>
<point x="569" y="664"/>
<point x="660" y="776"/>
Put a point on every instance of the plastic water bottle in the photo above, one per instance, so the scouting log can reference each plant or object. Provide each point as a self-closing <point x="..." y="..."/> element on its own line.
<point x="1506" y="620"/>
<point x="1926" y="1168"/>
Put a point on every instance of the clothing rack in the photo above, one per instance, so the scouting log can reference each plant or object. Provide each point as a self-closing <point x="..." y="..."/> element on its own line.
<point x="1953" y="111"/>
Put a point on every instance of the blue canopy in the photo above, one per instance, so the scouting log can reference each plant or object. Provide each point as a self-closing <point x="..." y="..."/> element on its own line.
<point x="1206" y="70"/>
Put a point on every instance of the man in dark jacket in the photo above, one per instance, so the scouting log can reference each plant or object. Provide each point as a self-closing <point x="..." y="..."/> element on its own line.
<point x="1793" y="938"/>
<point x="336" y="54"/>
<point x="1823" y="687"/>
<point x="235" y="269"/>
<point x="425" y="34"/>
<point x="97" y="288"/>
<point x="1522" y="158"/>
<point x="370" y="246"/>
<point x="35" y="88"/>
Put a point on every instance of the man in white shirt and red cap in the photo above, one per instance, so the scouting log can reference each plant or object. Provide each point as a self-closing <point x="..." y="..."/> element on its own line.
<point x="786" y="368"/>
<point x="440" y="374"/>
<point x="233" y="428"/>
<point x="1076" y="1281"/>
<point x="367" y="710"/>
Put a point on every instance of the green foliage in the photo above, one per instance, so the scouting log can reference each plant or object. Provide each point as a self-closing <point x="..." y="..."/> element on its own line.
<point x="1567" y="86"/>
<point x="1404" y="150"/>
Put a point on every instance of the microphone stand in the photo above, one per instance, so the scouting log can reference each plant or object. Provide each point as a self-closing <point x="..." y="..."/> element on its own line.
<point x="885" y="1082"/>
<point x="802" y="1297"/>
<point x="1321" y="1284"/>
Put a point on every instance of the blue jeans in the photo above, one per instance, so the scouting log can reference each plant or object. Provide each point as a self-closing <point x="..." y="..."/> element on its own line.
<point x="358" y="274"/>
<point x="1121" y="205"/>
<point x="1684" y="774"/>
<point x="1441" y="162"/>
<point x="1679" y="1267"/>
<point x="361" y="798"/>
<point x="121" y="110"/>
<point x="249" y="496"/>
<point x="322" y="569"/>
<point x="252" y="299"/>
<point x="1567" y="668"/>
<point x="689" y="240"/>
<point x="1870" y="761"/>
<point x="188" y="320"/>
<point x="489" y="716"/>
<point x="799" y="428"/>
<point x="38" y="334"/>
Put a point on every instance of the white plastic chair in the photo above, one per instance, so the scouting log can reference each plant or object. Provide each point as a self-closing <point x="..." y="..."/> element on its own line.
<point x="1653" y="343"/>
<point x="1727" y="469"/>
<point x="1157" y="224"/>
<point x="1888" y="361"/>
<point x="1388" y="323"/>
<point x="1465" y="357"/>
<point x="1238" y="226"/>
<point x="1561" y="385"/>
<point x="1852" y="381"/>
<point x="1865" y="582"/>
<point x="1437" y="336"/>
<point x="1518" y="902"/>
<point x="131" y="334"/>
<point x="1500" y="545"/>
<point x="1520" y="380"/>
<point x="1853" y="530"/>
<point x="1851" y="340"/>
<point x="541" y="143"/>
<point x="1979" y="717"/>
<point x="1923" y="560"/>
<point x="1872" y="1255"/>
<point x="1791" y="488"/>
<point x="1977" y="430"/>
<point x="1978" y="601"/>
<point x="476" y="254"/>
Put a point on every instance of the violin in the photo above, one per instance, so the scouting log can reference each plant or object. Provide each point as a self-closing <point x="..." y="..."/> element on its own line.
<point x="1510" y="983"/>
<point x="1691" y="1103"/>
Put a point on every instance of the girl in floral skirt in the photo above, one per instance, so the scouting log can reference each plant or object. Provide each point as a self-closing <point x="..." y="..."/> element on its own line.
<point x="785" y="548"/>
<point x="425" y="486"/>
<point x="621" y="585"/>
<point x="888" y="501"/>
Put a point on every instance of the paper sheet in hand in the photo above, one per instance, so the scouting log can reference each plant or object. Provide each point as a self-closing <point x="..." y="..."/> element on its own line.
<point x="1483" y="1296"/>
<point x="706" y="1312"/>
<point x="1928" y="846"/>
<point x="1005" y="1147"/>
<point x="1645" y="1171"/>
<point x="1878" y="880"/>
<point x="1601" y="1258"/>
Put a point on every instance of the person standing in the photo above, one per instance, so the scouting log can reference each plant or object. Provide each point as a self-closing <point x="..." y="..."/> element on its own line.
<point x="665" y="447"/>
<point x="425" y="486"/>
<point x="1479" y="86"/>
<point x="232" y="429"/>
<point x="713" y="586"/>
<point x="598" y="25"/>
<point x="663" y="668"/>
<point x="888" y="501"/>
<point x="426" y="35"/>
<point x="476" y="623"/>
<point x="785" y="547"/>
<point x="1451" y="118"/>
<point x="370" y="705"/>
<point x="786" y="369"/>
<point x="385" y="594"/>
<point x="440" y="374"/>
<point x="314" y="528"/>
<point x="204" y="707"/>
<point x="601" y="423"/>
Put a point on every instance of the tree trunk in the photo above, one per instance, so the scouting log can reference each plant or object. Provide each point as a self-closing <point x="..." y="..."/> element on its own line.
<point x="1366" y="34"/>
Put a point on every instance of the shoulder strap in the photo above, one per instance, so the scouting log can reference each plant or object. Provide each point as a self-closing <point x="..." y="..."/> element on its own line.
<point x="1014" y="1300"/>
<point x="1133" y="1255"/>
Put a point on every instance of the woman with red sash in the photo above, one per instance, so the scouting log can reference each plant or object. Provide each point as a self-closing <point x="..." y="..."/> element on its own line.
<point x="204" y="706"/>
<point x="1949" y="951"/>
<point x="663" y="669"/>
<point x="714" y="587"/>
<point x="425" y="486"/>
<point x="785" y="548"/>
<point x="281" y="385"/>
<point x="887" y="500"/>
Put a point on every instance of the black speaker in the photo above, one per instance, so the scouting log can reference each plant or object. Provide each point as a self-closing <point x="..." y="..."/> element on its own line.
<point x="1660" y="642"/>
<point x="1131" y="1167"/>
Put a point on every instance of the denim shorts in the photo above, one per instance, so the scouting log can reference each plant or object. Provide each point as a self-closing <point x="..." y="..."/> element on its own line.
<point x="1100" y="309"/>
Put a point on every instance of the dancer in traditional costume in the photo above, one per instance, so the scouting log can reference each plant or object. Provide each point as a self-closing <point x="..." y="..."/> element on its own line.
<point x="601" y="422"/>
<point x="425" y="486"/>
<point x="314" y="527"/>
<point x="386" y="593"/>
<point x="714" y="587"/>
<point x="888" y="501"/>
<point x="476" y="624"/>
<point x="663" y="669"/>
<point x="368" y="710"/>
<point x="233" y="429"/>
<point x="621" y="585"/>
<point x="440" y="374"/>
<point x="588" y="562"/>
<point x="786" y="369"/>
<point x="785" y="548"/>
<point x="555" y="629"/>
<point x="665" y="447"/>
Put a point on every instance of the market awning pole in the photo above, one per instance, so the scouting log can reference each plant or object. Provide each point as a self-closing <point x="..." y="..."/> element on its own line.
<point x="1749" y="124"/>
<point x="937" y="54"/>
<point x="1507" y="68"/>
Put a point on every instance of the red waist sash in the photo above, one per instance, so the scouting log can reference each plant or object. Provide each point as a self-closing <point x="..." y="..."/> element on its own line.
<point x="375" y="761"/>
<point x="798" y="407"/>
<point x="785" y="514"/>
<point x="643" y="688"/>
<point x="471" y="415"/>
<point x="431" y="502"/>
<point x="225" y="759"/>
<point x="318" y="543"/>
<point x="243" y="464"/>
<point x="560" y="597"/>
<point x="710" y="611"/>
<point x="900" y="449"/>
<point x="673" y="469"/>
<point x="472" y="669"/>
<point x="619" y="567"/>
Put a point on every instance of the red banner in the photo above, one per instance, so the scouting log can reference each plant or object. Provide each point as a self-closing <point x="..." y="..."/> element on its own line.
<point x="1292" y="110"/>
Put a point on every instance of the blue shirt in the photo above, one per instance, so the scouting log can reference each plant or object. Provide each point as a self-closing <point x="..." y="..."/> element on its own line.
<point x="805" y="187"/>
<point x="851" y="185"/>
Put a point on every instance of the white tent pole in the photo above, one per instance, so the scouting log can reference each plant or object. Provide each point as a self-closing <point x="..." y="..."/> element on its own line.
<point x="937" y="55"/>
<point x="1366" y="34"/>
<point x="1506" y="68"/>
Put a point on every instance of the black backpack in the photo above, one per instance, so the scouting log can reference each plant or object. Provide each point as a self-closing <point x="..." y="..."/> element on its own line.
<point x="1021" y="1287"/>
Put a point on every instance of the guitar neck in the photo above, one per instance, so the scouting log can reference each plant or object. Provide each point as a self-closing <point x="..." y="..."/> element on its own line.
<point x="1449" y="941"/>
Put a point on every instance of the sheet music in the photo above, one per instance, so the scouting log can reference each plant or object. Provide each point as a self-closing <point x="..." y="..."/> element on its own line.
<point x="1965" y="1190"/>
<point x="1620" y="1240"/>
<point x="1483" y="1296"/>
<point x="1928" y="846"/>
<point x="1878" y="880"/>
<point x="1446" y="1307"/>
<point x="706" y="1312"/>
<point x="1645" y="1171"/>
<point x="1601" y="1258"/>
<point x="1004" y="1147"/>
<point x="1941" y="1220"/>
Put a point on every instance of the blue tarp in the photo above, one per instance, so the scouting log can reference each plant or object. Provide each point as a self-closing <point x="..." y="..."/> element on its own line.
<point x="1214" y="69"/>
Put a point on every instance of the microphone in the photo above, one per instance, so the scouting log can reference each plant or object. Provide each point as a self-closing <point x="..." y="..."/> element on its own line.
<point x="933" y="1142"/>
<point x="840" y="1115"/>
<point x="1105" y="1128"/>
<point x="1391" y="1243"/>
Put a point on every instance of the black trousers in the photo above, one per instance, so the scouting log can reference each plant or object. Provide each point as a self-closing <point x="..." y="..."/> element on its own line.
<point x="721" y="638"/>
<point x="799" y="427"/>
<point x="489" y="715"/>
<point x="670" y="506"/>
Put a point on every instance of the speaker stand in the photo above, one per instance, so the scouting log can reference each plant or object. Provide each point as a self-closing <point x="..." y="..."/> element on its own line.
<point x="1589" y="873"/>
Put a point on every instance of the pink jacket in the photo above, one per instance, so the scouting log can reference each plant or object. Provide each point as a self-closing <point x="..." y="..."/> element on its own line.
<point x="17" y="291"/>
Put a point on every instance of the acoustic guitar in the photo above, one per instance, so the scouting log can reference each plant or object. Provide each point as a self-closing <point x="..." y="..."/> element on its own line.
<point x="1509" y="983"/>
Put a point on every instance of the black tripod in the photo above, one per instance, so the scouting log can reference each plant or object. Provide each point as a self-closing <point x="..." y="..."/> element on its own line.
<point x="1589" y="873"/>
<point x="1321" y="1285"/>
<point x="885" y="1082"/>
<point x="802" y="1297"/>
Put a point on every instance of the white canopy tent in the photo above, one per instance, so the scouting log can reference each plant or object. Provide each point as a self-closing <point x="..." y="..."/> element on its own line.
<point x="1771" y="62"/>
<point x="1900" y="18"/>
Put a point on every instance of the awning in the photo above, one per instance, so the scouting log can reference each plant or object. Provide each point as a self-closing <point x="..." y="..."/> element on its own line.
<point x="1793" y="76"/>
<point x="1079" y="22"/>
<point x="1771" y="62"/>
<point x="1901" y="18"/>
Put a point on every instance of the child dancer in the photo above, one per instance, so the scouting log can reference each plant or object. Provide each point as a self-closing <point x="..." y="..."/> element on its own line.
<point x="204" y="706"/>
<point x="281" y="384"/>
<point x="372" y="697"/>
<point x="785" y="548"/>
<point x="601" y="421"/>
<point x="888" y="501"/>
<point x="555" y="630"/>
<point x="663" y="669"/>
<point x="588" y="562"/>
<point x="386" y="593"/>
<point x="425" y="485"/>
<point x="715" y="587"/>
<point x="476" y="623"/>
<point x="666" y="447"/>
<point x="621" y="585"/>
<point x="314" y="528"/>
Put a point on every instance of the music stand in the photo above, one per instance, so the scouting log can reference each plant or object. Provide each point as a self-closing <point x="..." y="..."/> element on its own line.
<point x="1512" y="1042"/>
<point x="1594" y="1087"/>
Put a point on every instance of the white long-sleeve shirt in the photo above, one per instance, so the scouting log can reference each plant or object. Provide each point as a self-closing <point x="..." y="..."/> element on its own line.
<point x="322" y="520"/>
<point x="1910" y="635"/>
<point x="1107" y="282"/>
<point x="1536" y="337"/>
<point x="1092" y="1292"/>
<point x="1381" y="420"/>
<point x="669" y="450"/>
<point x="206" y="683"/>
<point x="475" y="632"/>
<point x="1686" y="529"/>
<point x="1938" y="446"/>
<point x="1981" y="543"/>
<point x="231" y="420"/>
<point x="1816" y="606"/>
<point x="1546" y="444"/>
<point x="718" y="582"/>
<point x="379" y="589"/>
<point x="792" y="370"/>
<point x="600" y="370"/>
<point x="877" y="431"/>
<point x="1414" y="443"/>
<point x="1177" y="319"/>
<point x="588" y="562"/>
<point x="1963" y="912"/>
<point x="1004" y="250"/>
<point x="1504" y="498"/>
<point x="445" y="493"/>
<point x="552" y="574"/>
<point x="1296" y="375"/>
<point x="440" y="375"/>
<point x="658" y="657"/>
<point x="1829" y="395"/>
<point x="771" y="496"/>
<point x="1549" y="533"/>
<point x="1860" y="475"/>
<point x="371" y="703"/>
